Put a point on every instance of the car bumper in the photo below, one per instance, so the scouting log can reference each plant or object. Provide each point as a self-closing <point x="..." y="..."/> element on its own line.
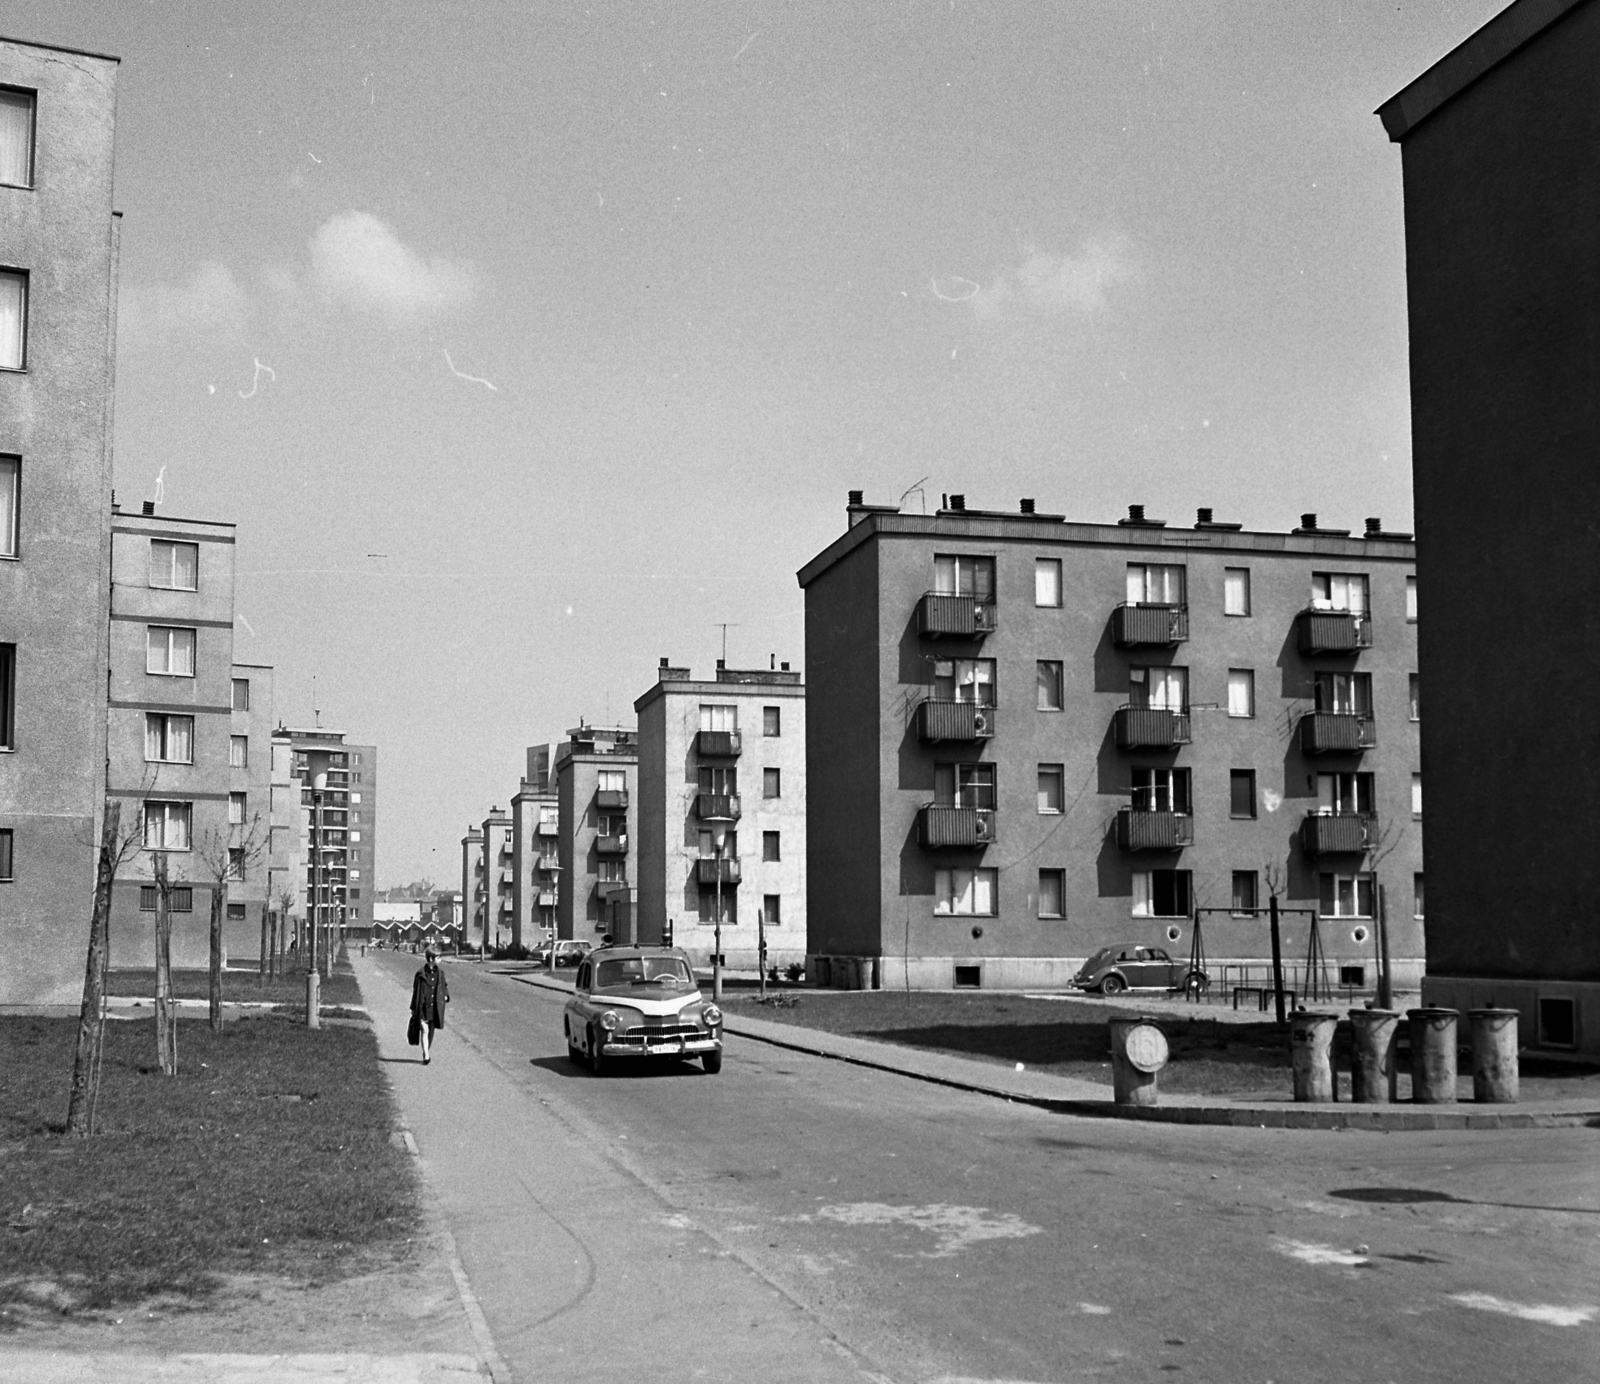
<point x="668" y="1045"/>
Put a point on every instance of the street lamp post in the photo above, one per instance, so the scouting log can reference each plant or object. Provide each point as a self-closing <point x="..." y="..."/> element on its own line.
<point x="719" y="837"/>
<point x="554" y="926"/>
<point x="761" y="951"/>
<point x="313" y="979"/>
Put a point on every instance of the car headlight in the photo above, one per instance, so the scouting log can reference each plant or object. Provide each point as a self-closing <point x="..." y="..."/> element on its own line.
<point x="712" y="1015"/>
<point x="609" y="1021"/>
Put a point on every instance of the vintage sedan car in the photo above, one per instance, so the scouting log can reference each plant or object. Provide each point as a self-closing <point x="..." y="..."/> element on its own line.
<point x="1133" y="966"/>
<point x="570" y="953"/>
<point x="631" y="1002"/>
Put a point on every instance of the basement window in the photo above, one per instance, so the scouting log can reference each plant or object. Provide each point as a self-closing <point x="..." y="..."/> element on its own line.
<point x="1355" y="976"/>
<point x="969" y="977"/>
<point x="1558" y="1023"/>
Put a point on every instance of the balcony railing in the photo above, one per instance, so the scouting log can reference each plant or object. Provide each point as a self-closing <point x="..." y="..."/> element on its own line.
<point x="1150" y="728"/>
<point x="960" y="617"/>
<point x="1149" y="624"/>
<point x="1334" y="631"/>
<point x="611" y="799"/>
<point x="939" y="824"/>
<point x="549" y="864"/>
<point x="545" y="900"/>
<point x="717" y="807"/>
<point x="718" y="744"/>
<point x="707" y="868"/>
<point x="548" y="829"/>
<point x="1338" y="833"/>
<point x="1139" y="829"/>
<point x="1337" y="732"/>
<point x="611" y="845"/>
<point x="942" y="720"/>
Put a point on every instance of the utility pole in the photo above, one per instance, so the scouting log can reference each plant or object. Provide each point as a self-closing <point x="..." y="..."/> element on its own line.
<point x="1277" y="959"/>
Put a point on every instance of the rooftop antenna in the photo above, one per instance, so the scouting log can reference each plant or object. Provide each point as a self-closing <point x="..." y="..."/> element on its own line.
<point x="316" y="712"/>
<point x="915" y="488"/>
<point x="723" y="626"/>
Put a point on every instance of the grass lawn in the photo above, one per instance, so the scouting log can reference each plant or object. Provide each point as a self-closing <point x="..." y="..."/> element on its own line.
<point x="270" y="1153"/>
<point x="339" y="989"/>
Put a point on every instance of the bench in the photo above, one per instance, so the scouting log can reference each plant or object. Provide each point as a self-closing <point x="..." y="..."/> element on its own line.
<point x="1262" y="993"/>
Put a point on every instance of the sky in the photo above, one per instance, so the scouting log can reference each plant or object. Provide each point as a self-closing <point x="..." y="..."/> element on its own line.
<point x="529" y="343"/>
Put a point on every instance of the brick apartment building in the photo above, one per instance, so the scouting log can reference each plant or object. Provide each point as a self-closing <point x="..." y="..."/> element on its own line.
<point x="1028" y="738"/>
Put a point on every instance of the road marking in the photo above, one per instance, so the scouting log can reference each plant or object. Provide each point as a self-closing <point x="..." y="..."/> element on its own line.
<point x="957" y="1227"/>
<point x="1541" y="1312"/>
<point x="1321" y="1254"/>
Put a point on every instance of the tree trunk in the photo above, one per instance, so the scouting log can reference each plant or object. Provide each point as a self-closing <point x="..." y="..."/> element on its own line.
<point x="219" y="894"/>
<point x="261" y="970"/>
<point x="91" y="1015"/>
<point x="166" y="1024"/>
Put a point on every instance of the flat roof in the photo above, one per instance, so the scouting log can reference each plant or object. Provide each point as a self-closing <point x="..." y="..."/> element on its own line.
<point x="699" y="688"/>
<point x="60" y="48"/>
<point x="1511" y="29"/>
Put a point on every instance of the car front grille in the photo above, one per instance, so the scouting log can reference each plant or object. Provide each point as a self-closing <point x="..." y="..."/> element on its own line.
<point x="639" y="1036"/>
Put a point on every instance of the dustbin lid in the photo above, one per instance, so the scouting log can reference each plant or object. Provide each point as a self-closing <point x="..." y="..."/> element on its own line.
<point x="1145" y="1047"/>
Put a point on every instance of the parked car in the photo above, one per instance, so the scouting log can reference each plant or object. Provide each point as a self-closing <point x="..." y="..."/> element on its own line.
<point x="632" y="1002"/>
<point x="1132" y="966"/>
<point x="569" y="953"/>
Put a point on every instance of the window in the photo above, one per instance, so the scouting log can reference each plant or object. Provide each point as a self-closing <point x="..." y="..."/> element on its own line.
<point x="1159" y="689"/>
<point x="1339" y="591"/>
<point x="1050" y="787"/>
<point x="1416" y="795"/>
<point x="1344" y="794"/>
<point x="10" y="503"/>
<point x="1155" y="585"/>
<point x="1241" y="692"/>
<point x="166" y="826"/>
<point x="236" y="912"/>
<point x="168" y="739"/>
<point x="965" y="891"/>
<point x="1347" y="693"/>
<point x="1416" y="703"/>
<point x="1050" y="684"/>
<point x="241" y="694"/>
<point x="16" y="137"/>
<point x="772" y="910"/>
<point x="8" y="696"/>
<point x="5" y="855"/>
<point x="175" y="567"/>
<point x="772" y="783"/>
<point x="1345" y="896"/>
<point x="13" y="319"/>
<point x="714" y="778"/>
<point x="1047" y="581"/>
<point x="611" y="781"/>
<point x="235" y="862"/>
<point x="725" y="718"/>
<point x="613" y="824"/>
<point x="1161" y="790"/>
<point x="613" y="872"/>
<point x="169" y="651"/>
<point x="964" y="785"/>
<point x="730" y="845"/>
<point x="1411" y="599"/>
<point x="1245" y="892"/>
<point x="1241" y="793"/>
<point x="1235" y="590"/>
<point x="1416" y="895"/>
<point x="238" y="751"/>
<point x="770" y="846"/>
<point x="964" y="680"/>
<point x="1161" y="894"/>
<point x="964" y="576"/>
<point x="730" y="906"/>
<point x="236" y="808"/>
<point x="1052" y="893"/>
<point x="772" y="721"/>
<point x="180" y="899"/>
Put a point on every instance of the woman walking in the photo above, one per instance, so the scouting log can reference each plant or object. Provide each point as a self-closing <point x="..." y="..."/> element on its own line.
<point x="429" y="995"/>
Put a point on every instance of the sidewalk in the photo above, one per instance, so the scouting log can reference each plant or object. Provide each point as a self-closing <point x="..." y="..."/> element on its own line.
<point x="1070" y="1096"/>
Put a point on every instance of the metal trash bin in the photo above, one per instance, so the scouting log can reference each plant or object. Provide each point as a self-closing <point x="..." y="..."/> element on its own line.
<point x="1311" y="1055"/>
<point x="1494" y="1054"/>
<point x="1138" y="1052"/>
<point x="1372" y="1070"/>
<point x="1433" y="1055"/>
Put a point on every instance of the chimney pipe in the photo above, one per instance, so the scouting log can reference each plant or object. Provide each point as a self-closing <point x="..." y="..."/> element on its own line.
<point x="786" y="667"/>
<point x="1203" y="514"/>
<point x="1027" y="505"/>
<point x="774" y="663"/>
<point x="722" y="663"/>
<point x="1136" y="513"/>
<point x="855" y="497"/>
<point x="149" y="507"/>
<point x="1374" y="525"/>
<point x="958" y="502"/>
<point x="664" y="662"/>
<point x="1308" y="521"/>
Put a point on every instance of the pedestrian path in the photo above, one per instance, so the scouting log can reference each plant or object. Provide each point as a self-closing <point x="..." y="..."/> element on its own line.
<point x="20" y="1366"/>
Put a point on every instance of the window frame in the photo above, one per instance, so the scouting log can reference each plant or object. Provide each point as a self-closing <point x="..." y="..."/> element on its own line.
<point x="1149" y="882"/>
<point x="771" y="782"/>
<point x="238" y="751"/>
<point x="8" y="698"/>
<point x="772" y="910"/>
<point x="11" y="542"/>
<point x="947" y="899"/>
<point x="1355" y="880"/>
<point x="33" y="135"/>
<point x="170" y="580"/>
<point x="771" y="722"/>
<point x="1236" y="614"/>
<point x="8" y="855"/>
<point x="237" y="684"/>
<point x="1419" y="899"/>
<point x="1041" y="567"/>
<point x="771" y="845"/>
<point x="1059" y="773"/>
<point x="1147" y="572"/>
<point x="186" y="816"/>
<point x="1047" y="668"/>
<point x="240" y="801"/>
<point x="1247" y="677"/>
<point x="1237" y="909"/>
<point x="711" y="712"/>
<point x="14" y="271"/>
<point x="170" y="631"/>
<point x="1411" y="598"/>
<point x="1235" y="777"/>
<point x="165" y="721"/>
<point x="1172" y="782"/>
<point x="1414" y="695"/>
<point x="1058" y="879"/>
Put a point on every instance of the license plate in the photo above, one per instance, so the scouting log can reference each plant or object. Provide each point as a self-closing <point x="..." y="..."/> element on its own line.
<point x="675" y="1046"/>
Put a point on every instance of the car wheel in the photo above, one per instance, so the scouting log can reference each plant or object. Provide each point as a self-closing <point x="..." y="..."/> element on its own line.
<point x="712" y="1062"/>
<point x="1113" y="985"/>
<point x="574" y="1052"/>
<point x="1196" y="982"/>
<point x="597" y="1061"/>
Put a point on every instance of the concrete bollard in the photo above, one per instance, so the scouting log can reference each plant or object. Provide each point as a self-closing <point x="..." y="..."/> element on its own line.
<point x="1372" y="1069"/>
<point x="1433" y="1055"/>
<point x="1311" y="1055"/>
<point x="1494" y="1054"/>
<point x="1138" y="1052"/>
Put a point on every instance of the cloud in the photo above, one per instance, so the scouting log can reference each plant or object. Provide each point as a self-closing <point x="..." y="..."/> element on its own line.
<point x="1053" y="285"/>
<point x="358" y="261"/>
<point x="212" y="300"/>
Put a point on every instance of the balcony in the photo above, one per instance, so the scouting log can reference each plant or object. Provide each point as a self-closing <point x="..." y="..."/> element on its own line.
<point x="708" y="867"/>
<point x="955" y="617"/>
<point x="718" y="744"/>
<point x="611" y="845"/>
<point x="545" y="900"/>
<point x="606" y="888"/>
<point x="1162" y="625"/>
<point x="940" y="825"/>
<point x="611" y="799"/>
<point x="1333" y="631"/>
<point x="1139" y="829"/>
<point x="548" y="864"/>
<point x="1150" y="728"/>
<point x="717" y="807"/>
<point x="939" y="720"/>
<point x="548" y="829"/>
<point x="1337" y="732"/>
<point x="1338" y="833"/>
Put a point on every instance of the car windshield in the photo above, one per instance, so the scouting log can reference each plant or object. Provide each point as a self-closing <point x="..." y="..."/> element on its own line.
<point x="641" y="970"/>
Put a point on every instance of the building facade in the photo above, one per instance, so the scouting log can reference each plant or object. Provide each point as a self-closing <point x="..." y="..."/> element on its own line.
<point x="340" y="839"/>
<point x="58" y="284"/>
<point x="245" y="930"/>
<point x="499" y="875"/>
<point x="1027" y="739"/>
<point x="535" y="829"/>
<point x="596" y="771"/>
<point x="723" y="759"/>
<point x="1502" y="189"/>
<point x="475" y="925"/>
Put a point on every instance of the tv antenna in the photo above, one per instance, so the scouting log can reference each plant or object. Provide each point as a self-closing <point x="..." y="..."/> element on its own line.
<point x="915" y="488"/>
<point x="724" y="625"/>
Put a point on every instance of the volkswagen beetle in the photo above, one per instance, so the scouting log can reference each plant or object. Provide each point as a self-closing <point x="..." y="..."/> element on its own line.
<point x="631" y="1002"/>
<point x="1132" y="966"/>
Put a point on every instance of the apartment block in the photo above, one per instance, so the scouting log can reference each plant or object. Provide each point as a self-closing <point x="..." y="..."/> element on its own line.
<point x="723" y="759"/>
<point x="535" y="830"/>
<point x="58" y="286"/>
<point x="250" y="898"/>
<point x="499" y="874"/>
<point x="339" y="873"/>
<point x="1029" y="738"/>
<point x="475" y="912"/>
<point x="596" y="771"/>
<point x="1497" y="144"/>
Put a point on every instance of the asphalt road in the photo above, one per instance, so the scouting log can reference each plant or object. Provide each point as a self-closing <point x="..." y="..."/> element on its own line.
<point x="795" y="1218"/>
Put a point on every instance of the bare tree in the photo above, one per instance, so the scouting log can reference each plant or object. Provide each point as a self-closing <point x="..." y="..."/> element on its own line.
<point x="91" y="1014"/>
<point x="166" y="1017"/>
<point x="226" y="856"/>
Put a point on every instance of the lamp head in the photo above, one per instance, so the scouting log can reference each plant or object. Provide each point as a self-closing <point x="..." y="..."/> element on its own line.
<point x="719" y="838"/>
<point x="319" y="783"/>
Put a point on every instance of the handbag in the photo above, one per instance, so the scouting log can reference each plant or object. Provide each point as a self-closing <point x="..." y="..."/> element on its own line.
<point x="414" y="1030"/>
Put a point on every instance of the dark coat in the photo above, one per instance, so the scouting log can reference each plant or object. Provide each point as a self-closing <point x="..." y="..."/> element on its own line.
<point x="429" y="997"/>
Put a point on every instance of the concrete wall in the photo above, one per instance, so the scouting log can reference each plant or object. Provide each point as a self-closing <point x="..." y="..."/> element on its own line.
<point x="581" y="911"/>
<point x="531" y="920"/>
<point x="56" y="416"/>
<point x="499" y="873"/>
<point x="474" y="889"/>
<point x="250" y="896"/>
